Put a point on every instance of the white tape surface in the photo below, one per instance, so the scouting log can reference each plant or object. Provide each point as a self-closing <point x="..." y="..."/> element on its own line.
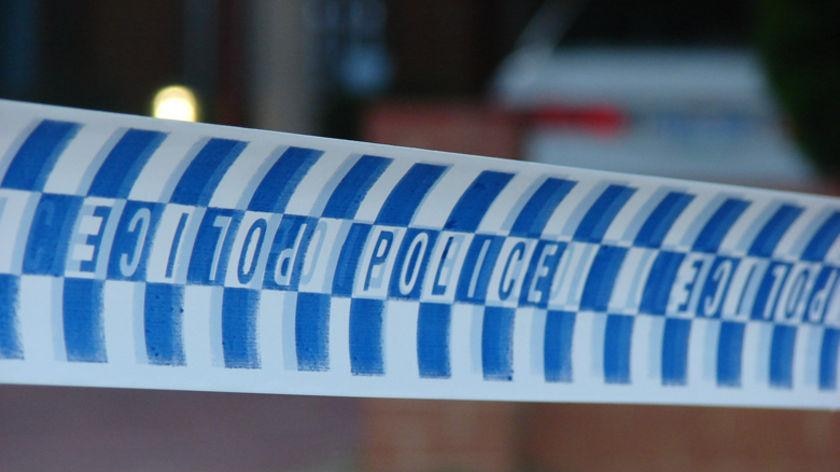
<point x="144" y="253"/>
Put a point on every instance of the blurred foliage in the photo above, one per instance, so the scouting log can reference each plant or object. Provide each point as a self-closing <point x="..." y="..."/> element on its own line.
<point x="800" y="46"/>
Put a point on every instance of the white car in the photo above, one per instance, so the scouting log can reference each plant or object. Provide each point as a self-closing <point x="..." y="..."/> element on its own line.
<point x="680" y="112"/>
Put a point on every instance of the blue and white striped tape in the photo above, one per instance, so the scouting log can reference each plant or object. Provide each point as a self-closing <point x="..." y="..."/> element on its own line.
<point x="154" y="254"/>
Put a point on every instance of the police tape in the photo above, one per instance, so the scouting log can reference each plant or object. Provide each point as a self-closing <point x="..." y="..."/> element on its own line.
<point x="153" y="254"/>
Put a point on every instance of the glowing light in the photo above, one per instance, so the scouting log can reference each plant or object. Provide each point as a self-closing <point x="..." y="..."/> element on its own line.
<point x="175" y="102"/>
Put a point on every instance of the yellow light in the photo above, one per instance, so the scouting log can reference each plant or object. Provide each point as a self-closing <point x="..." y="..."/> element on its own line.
<point x="175" y="102"/>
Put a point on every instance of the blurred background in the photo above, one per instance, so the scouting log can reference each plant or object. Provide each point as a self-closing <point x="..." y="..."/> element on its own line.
<point x="731" y="91"/>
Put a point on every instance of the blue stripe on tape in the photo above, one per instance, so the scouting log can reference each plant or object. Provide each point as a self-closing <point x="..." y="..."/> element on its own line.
<point x="408" y="194"/>
<point x="618" y="337"/>
<point x="199" y="181"/>
<point x="163" y="316"/>
<point x="601" y="214"/>
<point x="730" y="345"/>
<point x="557" y="347"/>
<point x="132" y="240"/>
<point x="659" y="282"/>
<point x="818" y="300"/>
<point x="828" y="359"/>
<point x="539" y="208"/>
<point x="476" y="200"/>
<point x="239" y="328"/>
<point x="497" y="343"/>
<point x="124" y="162"/>
<point x="719" y="224"/>
<point x="411" y="263"/>
<point x="713" y="290"/>
<point x="176" y="240"/>
<point x="601" y="279"/>
<point x="280" y="182"/>
<point x="50" y="234"/>
<point x="768" y="293"/>
<point x="823" y="238"/>
<point x="35" y="158"/>
<point x="507" y="285"/>
<point x="93" y="241"/>
<point x="536" y="285"/>
<point x="661" y="219"/>
<point x="287" y="254"/>
<point x="478" y="268"/>
<point x="10" y="345"/>
<point x="252" y="245"/>
<point x="312" y="331"/>
<point x="433" y="323"/>
<point x="772" y="231"/>
<point x="781" y="356"/>
<point x="348" y="260"/>
<point x="213" y="242"/>
<point x="354" y="186"/>
<point x="366" y="337"/>
<point x="675" y="351"/>
<point x="84" y="339"/>
<point x="381" y="249"/>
